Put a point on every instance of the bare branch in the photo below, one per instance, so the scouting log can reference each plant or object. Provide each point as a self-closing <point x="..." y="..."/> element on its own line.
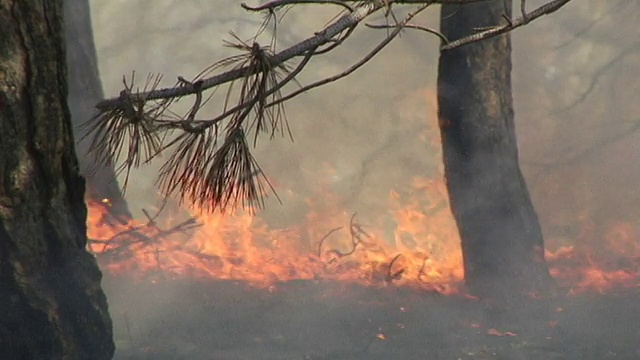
<point x="327" y="35"/>
<point x="547" y="168"/>
<point x="320" y="38"/>
<point x="357" y="237"/>
<point x="545" y="9"/>
<point x="325" y="237"/>
<point x="357" y="65"/>
<point x="596" y="78"/>
<point x="413" y="26"/>
<point x="616" y="7"/>
<point x="391" y="274"/>
<point x="280" y="3"/>
<point x="210" y="164"/>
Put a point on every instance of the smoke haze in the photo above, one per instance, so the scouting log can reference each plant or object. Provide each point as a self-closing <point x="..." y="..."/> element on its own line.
<point x="575" y="88"/>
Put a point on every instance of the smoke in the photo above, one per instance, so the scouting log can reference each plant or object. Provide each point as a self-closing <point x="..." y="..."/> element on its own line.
<point x="576" y="117"/>
<point x="357" y="136"/>
<point x="375" y="131"/>
<point x="576" y="122"/>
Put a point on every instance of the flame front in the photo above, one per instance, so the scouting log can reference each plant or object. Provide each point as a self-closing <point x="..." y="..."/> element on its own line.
<point x="423" y="250"/>
<point x="601" y="264"/>
<point x="413" y="242"/>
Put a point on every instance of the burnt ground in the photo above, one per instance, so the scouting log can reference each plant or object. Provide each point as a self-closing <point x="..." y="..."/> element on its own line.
<point x="192" y="319"/>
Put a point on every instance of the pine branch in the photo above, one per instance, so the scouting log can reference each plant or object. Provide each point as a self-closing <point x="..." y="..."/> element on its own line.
<point x="323" y="37"/>
<point x="210" y="164"/>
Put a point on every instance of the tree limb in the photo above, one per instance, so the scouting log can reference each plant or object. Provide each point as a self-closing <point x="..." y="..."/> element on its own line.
<point x="211" y="164"/>
<point x="545" y="9"/>
<point x="320" y="38"/>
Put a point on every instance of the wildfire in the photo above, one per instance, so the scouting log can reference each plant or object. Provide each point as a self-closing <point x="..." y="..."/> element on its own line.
<point x="600" y="266"/>
<point x="413" y="243"/>
<point x="422" y="251"/>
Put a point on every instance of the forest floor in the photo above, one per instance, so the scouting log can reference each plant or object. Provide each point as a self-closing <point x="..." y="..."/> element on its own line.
<point x="313" y="320"/>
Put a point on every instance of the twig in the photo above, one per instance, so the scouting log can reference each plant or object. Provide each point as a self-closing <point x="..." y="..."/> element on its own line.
<point x="355" y="66"/>
<point x="320" y="38"/>
<point x="325" y="238"/>
<point x="279" y="3"/>
<point x="412" y="26"/>
<point x="394" y="275"/>
<point x="357" y="235"/>
<point x="595" y="78"/>
<point x="545" y="9"/>
<point x="216" y="175"/>
<point x="421" y="272"/>
<point x="135" y="235"/>
<point x="357" y="231"/>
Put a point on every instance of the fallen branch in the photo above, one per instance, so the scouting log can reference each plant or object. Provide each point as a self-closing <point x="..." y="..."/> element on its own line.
<point x="357" y="237"/>
<point x="394" y="275"/>
<point x="140" y="234"/>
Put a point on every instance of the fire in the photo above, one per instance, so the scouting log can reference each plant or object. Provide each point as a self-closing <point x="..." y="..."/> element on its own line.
<point x="414" y="243"/>
<point x="599" y="265"/>
<point x="421" y="250"/>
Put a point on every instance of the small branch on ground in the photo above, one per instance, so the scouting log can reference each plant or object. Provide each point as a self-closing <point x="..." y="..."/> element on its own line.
<point x="325" y="238"/>
<point x="391" y="274"/>
<point x="148" y="233"/>
<point x="357" y="237"/>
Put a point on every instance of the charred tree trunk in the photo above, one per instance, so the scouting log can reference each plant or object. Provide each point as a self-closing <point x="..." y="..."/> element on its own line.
<point x="51" y="303"/>
<point x="502" y="244"/>
<point x="85" y="90"/>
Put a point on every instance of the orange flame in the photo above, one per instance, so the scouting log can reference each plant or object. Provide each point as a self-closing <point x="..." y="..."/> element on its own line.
<point x="422" y="251"/>
<point x="416" y="243"/>
<point x="599" y="265"/>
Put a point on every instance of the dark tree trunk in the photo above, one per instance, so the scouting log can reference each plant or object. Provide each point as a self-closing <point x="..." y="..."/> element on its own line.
<point x="51" y="303"/>
<point x="85" y="90"/>
<point x="502" y="244"/>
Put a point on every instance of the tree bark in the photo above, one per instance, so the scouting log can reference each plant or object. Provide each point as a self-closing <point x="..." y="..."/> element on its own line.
<point x="85" y="90"/>
<point x="51" y="303"/>
<point x="502" y="243"/>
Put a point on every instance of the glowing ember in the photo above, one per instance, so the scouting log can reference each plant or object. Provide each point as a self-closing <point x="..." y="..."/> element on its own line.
<point x="495" y="332"/>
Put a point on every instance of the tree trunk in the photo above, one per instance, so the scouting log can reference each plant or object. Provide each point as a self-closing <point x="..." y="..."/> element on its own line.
<point x="502" y="244"/>
<point x="85" y="90"/>
<point x="51" y="303"/>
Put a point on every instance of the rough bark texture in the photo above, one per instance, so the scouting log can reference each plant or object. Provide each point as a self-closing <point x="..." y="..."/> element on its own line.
<point x="51" y="303"/>
<point x="502" y="242"/>
<point x="85" y="90"/>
